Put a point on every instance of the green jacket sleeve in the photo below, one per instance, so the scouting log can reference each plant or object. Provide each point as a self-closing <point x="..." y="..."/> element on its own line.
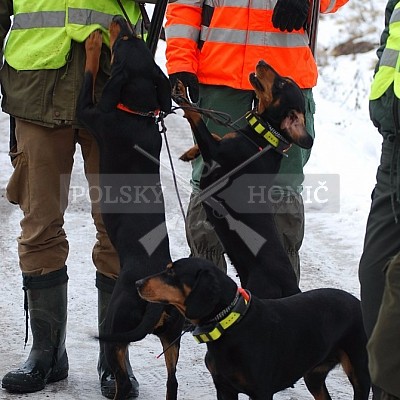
<point x="6" y="10"/>
<point x="385" y="33"/>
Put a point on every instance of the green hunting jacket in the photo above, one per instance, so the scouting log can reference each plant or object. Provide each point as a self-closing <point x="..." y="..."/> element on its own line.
<point x="46" y="97"/>
<point x="385" y="33"/>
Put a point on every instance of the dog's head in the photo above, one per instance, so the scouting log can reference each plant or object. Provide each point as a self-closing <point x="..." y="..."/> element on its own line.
<point x="192" y="285"/>
<point x="281" y="103"/>
<point x="119" y="28"/>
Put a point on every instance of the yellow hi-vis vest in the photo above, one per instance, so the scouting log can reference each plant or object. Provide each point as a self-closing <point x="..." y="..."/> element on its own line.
<point x="42" y="30"/>
<point x="389" y="63"/>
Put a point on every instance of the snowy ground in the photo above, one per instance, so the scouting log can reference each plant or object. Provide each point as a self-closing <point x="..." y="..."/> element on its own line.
<point x="347" y="147"/>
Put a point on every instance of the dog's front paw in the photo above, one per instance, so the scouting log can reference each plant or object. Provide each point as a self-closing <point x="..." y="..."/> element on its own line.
<point x="93" y="49"/>
<point x="190" y="154"/>
<point x="179" y="93"/>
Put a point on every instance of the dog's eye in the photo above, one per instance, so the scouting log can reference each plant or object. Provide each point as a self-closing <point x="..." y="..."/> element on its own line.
<point x="281" y="84"/>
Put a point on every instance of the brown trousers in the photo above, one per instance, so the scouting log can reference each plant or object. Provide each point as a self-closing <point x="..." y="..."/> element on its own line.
<point x="43" y="162"/>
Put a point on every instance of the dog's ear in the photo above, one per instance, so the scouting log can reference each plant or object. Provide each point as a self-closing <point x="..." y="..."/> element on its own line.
<point x="204" y="295"/>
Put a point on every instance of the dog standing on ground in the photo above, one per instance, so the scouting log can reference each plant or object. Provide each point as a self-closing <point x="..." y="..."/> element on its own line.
<point x="133" y="209"/>
<point x="260" y="347"/>
<point x="278" y="122"/>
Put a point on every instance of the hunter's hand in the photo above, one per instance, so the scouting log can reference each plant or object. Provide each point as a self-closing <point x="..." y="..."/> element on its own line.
<point x="290" y="15"/>
<point x="189" y="80"/>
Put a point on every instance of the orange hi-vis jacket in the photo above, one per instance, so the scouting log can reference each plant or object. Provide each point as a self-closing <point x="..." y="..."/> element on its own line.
<point x="221" y="41"/>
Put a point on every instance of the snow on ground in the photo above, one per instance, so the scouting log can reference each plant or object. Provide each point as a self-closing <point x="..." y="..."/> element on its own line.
<point x="344" y="160"/>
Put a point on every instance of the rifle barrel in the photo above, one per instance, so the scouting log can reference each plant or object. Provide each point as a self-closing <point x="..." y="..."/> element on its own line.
<point x="156" y="25"/>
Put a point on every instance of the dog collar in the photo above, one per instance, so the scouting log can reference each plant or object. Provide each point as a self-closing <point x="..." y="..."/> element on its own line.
<point x="151" y="114"/>
<point x="263" y="128"/>
<point x="231" y="315"/>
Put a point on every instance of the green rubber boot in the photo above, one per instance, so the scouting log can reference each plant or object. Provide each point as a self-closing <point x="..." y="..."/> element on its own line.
<point x="105" y="288"/>
<point x="46" y="296"/>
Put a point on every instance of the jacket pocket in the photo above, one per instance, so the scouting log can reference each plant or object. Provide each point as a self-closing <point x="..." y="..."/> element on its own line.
<point x="17" y="190"/>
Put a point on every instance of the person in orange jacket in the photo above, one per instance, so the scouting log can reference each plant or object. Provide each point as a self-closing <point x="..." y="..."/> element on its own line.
<point x="212" y="46"/>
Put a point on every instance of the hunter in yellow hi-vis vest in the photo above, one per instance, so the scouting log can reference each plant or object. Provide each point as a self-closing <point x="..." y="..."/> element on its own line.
<point x="389" y="64"/>
<point x="49" y="27"/>
<point x="379" y="268"/>
<point x="45" y="45"/>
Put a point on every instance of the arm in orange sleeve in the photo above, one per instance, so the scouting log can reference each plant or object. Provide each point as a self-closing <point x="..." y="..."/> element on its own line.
<point x="183" y="33"/>
<point x="331" y="6"/>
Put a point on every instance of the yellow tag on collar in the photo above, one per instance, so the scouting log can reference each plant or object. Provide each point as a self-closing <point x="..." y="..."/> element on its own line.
<point x="271" y="138"/>
<point x="209" y="336"/>
<point x="261" y="129"/>
<point x="218" y="330"/>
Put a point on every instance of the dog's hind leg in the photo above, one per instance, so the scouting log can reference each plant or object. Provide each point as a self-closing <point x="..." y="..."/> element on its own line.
<point x="226" y="392"/>
<point x="355" y="366"/>
<point x="315" y="379"/>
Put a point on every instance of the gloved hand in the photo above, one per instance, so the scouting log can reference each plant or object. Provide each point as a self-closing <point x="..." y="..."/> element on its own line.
<point x="290" y="14"/>
<point x="190" y="82"/>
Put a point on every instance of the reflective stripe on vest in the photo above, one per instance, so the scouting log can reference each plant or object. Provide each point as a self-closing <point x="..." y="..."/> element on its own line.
<point x="182" y="31"/>
<point x="42" y="19"/>
<point x="82" y="21"/>
<point x="257" y="38"/>
<point x="79" y="16"/>
<point x="326" y="6"/>
<point x="330" y="6"/>
<point x="389" y="63"/>
<point x="235" y="36"/>
<point x="42" y="39"/>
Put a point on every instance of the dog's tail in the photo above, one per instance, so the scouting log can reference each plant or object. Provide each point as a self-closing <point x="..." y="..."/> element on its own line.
<point x="151" y="317"/>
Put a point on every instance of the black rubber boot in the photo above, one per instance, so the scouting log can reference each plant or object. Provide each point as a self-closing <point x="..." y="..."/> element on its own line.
<point x="46" y="297"/>
<point x="105" y="287"/>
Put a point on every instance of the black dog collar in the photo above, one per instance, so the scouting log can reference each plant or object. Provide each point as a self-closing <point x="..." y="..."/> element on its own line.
<point x="218" y="325"/>
<point x="263" y="128"/>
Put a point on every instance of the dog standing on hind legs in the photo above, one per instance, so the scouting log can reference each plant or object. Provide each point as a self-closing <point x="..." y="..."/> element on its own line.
<point x="123" y="118"/>
<point x="278" y="121"/>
